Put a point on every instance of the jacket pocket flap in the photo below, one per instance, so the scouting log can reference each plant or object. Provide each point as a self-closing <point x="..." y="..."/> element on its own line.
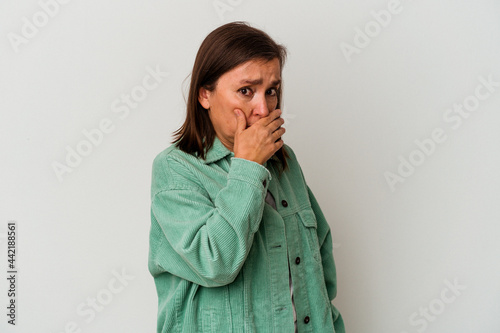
<point x="308" y="218"/>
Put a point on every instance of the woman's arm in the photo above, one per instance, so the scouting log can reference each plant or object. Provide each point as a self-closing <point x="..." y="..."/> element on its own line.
<point x="198" y="239"/>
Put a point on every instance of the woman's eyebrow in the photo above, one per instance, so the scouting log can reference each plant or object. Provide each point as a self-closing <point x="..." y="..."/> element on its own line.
<point x="259" y="81"/>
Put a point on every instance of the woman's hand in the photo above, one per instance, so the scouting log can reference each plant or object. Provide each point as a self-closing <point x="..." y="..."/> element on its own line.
<point x="261" y="140"/>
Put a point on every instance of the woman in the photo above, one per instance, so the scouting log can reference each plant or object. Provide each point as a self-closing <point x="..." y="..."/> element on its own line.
<point x="238" y="242"/>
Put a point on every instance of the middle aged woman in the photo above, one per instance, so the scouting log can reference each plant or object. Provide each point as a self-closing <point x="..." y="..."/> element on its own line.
<point x="238" y="242"/>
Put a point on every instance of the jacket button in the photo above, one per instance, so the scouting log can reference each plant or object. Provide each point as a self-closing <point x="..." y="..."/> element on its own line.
<point x="284" y="203"/>
<point x="264" y="183"/>
<point x="306" y="319"/>
<point x="297" y="260"/>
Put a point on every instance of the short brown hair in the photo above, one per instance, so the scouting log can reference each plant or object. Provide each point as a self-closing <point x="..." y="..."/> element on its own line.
<point x="223" y="49"/>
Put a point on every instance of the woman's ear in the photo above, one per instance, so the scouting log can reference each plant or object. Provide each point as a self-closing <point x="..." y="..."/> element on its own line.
<point x="203" y="98"/>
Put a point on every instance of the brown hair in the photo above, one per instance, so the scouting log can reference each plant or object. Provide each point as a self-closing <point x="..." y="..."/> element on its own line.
<point x="223" y="49"/>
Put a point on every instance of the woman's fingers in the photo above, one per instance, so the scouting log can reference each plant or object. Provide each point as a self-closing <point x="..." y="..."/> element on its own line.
<point x="272" y="116"/>
<point x="241" y="121"/>
<point x="278" y="134"/>
<point x="261" y="140"/>
<point x="276" y="124"/>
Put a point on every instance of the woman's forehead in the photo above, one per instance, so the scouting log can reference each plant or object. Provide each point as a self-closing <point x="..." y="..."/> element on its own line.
<point x="255" y="72"/>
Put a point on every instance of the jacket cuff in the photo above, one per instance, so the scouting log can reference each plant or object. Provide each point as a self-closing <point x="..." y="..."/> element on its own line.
<point x="249" y="171"/>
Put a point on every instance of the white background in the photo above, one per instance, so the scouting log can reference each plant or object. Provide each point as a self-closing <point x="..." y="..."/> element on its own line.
<point x="351" y="119"/>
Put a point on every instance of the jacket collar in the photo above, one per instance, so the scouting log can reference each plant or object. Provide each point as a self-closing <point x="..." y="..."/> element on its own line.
<point x="217" y="151"/>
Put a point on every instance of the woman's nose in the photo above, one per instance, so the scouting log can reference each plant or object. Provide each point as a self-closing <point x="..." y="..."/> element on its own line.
<point x="261" y="108"/>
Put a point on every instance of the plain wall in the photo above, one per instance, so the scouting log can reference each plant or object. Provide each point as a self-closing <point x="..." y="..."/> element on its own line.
<point x="387" y="106"/>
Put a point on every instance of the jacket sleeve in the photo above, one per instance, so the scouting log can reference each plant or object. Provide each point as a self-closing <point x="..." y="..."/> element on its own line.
<point x="198" y="238"/>
<point x="326" y="250"/>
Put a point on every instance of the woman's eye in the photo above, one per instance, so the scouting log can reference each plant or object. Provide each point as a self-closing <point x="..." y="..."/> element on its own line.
<point x="245" y="91"/>
<point x="271" y="92"/>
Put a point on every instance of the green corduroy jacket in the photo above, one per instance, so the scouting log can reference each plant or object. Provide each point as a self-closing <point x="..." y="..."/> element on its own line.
<point x="219" y="254"/>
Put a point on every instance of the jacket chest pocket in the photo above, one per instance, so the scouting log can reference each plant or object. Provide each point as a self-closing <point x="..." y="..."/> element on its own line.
<point x="310" y="227"/>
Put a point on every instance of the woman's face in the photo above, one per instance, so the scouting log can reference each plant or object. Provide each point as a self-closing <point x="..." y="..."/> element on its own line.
<point x="250" y="87"/>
